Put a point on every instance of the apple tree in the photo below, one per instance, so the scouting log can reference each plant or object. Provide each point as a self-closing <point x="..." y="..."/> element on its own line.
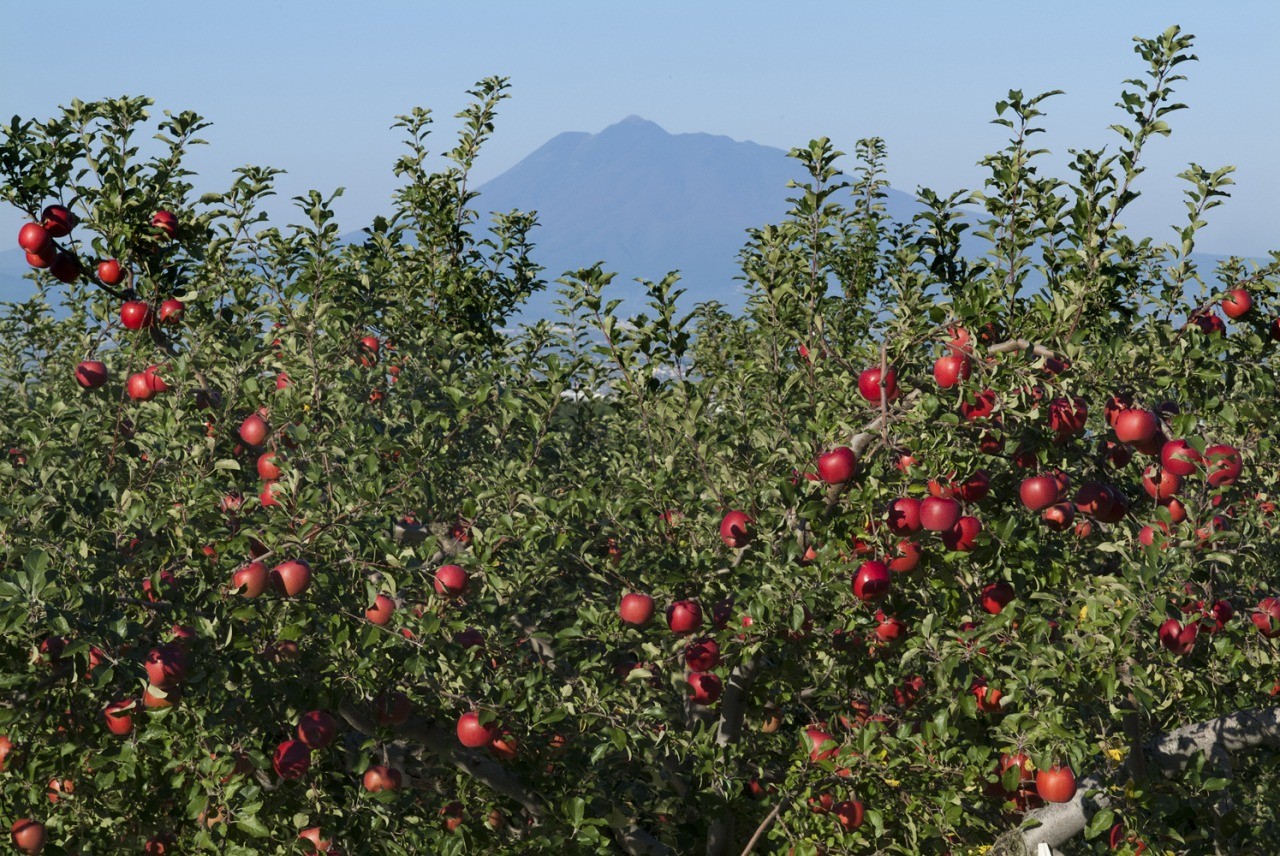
<point x="958" y="539"/>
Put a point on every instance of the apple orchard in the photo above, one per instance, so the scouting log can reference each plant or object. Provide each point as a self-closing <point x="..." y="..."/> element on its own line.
<point x="932" y="549"/>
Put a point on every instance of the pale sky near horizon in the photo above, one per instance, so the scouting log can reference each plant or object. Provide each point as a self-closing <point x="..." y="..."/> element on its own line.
<point x="313" y="87"/>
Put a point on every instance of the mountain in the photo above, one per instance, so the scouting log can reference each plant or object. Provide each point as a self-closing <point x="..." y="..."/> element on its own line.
<point x="646" y="202"/>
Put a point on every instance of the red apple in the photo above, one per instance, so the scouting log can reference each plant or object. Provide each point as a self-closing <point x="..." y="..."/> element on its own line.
<point x="816" y="739"/>
<point x="451" y="581"/>
<point x="951" y="369"/>
<point x="292" y="759"/>
<point x="6" y="746"/>
<point x="1160" y="484"/>
<point x="975" y="488"/>
<point x="28" y="835"/>
<point x="167" y="665"/>
<point x="702" y="655"/>
<point x="684" y="616"/>
<point x="904" y="515"/>
<point x="988" y="698"/>
<point x="119" y="716"/>
<point x="984" y="404"/>
<point x="1118" y="508"/>
<point x="316" y="844"/>
<point x="35" y="239"/>
<point x="110" y="272"/>
<point x="1039" y="492"/>
<point x="1094" y="498"/>
<point x="907" y="556"/>
<point x="45" y="258"/>
<point x="136" y="315"/>
<point x="889" y="628"/>
<point x="268" y="495"/>
<point x="837" y="466"/>
<point x="939" y="514"/>
<point x="290" y="578"/>
<point x="1059" y="517"/>
<point x="963" y="537"/>
<point x="1019" y="761"/>
<point x="1178" y="638"/>
<point x="1210" y="324"/>
<point x="705" y="687"/>
<point x="165" y="222"/>
<point x="140" y="387"/>
<point x="1267" y="618"/>
<point x="254" y="430"/>
<point x="1056" y="784"/>
<point x="872" y="581"/>
<point x="1135" y="426"/>
<point x="317" y="729"/>
<point x="849" y="814"/>
<point x="1068" y="415"/>
<point x="1223" y="463"/>
<point x="735" y="529"/>
<point x="1119" y="455"/>
<point x="1180" y="457"/>
<point x="91" y="374"/>
<point x="1237" y="303"/>
<point x="869" y="385"/>
<point x="636" y="609"/>
<point x="267" y="468"/>
<point x="58" y="221"/>
<point x="381" y="611"/>
<point x="472" y="733"/>
<point x="996" y="596"/>
<point x="380" y="777"/>
<point x="171" y="311"/>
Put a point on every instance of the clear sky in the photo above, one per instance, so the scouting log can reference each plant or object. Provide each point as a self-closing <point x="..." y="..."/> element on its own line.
<point x="312" y="87"/>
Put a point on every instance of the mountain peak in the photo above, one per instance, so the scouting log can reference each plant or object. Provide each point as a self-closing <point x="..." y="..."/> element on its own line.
<point x="635" y="123"/>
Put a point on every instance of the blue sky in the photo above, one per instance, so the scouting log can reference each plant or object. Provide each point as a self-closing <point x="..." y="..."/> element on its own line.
<point x="312" y="87"/>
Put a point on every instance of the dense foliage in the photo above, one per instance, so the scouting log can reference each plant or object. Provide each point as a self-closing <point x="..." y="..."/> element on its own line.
<point x="850" y="708"/>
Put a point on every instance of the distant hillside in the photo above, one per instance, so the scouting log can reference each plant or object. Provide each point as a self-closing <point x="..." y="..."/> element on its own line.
<point x="646" y="202"/>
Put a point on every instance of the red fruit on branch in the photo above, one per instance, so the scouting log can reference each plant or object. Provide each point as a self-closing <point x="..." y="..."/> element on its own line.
<point x="951" y="369"/>
<point x="996" y="596"/>
<point x="1237" y="303"/>
<point x="292" y="759"/>
<point x="1178" y="638"/>
<point x="474" y="734"/>
<point x="636" y="609"/>
<point x="872" y="581"/>
<point x="35" y="239"/>
<point x="451" y="581"/>
<point x="869" y="385"/>
<point x="91" y="374"/>
<point x="110" y="272"/>
<point x="684" y="616"/>
<point x="1039" y="492"/>
<point x="1057" y="784"/>
<point x="836" y="466"/>
<point x="736" y="530"/>
<point x="136" y="315"/>
<point x="58" y="221"/>
<point x="938" y="514"/>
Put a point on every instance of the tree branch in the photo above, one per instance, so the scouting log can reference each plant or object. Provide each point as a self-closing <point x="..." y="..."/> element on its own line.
<point x="1169" y="753"/>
